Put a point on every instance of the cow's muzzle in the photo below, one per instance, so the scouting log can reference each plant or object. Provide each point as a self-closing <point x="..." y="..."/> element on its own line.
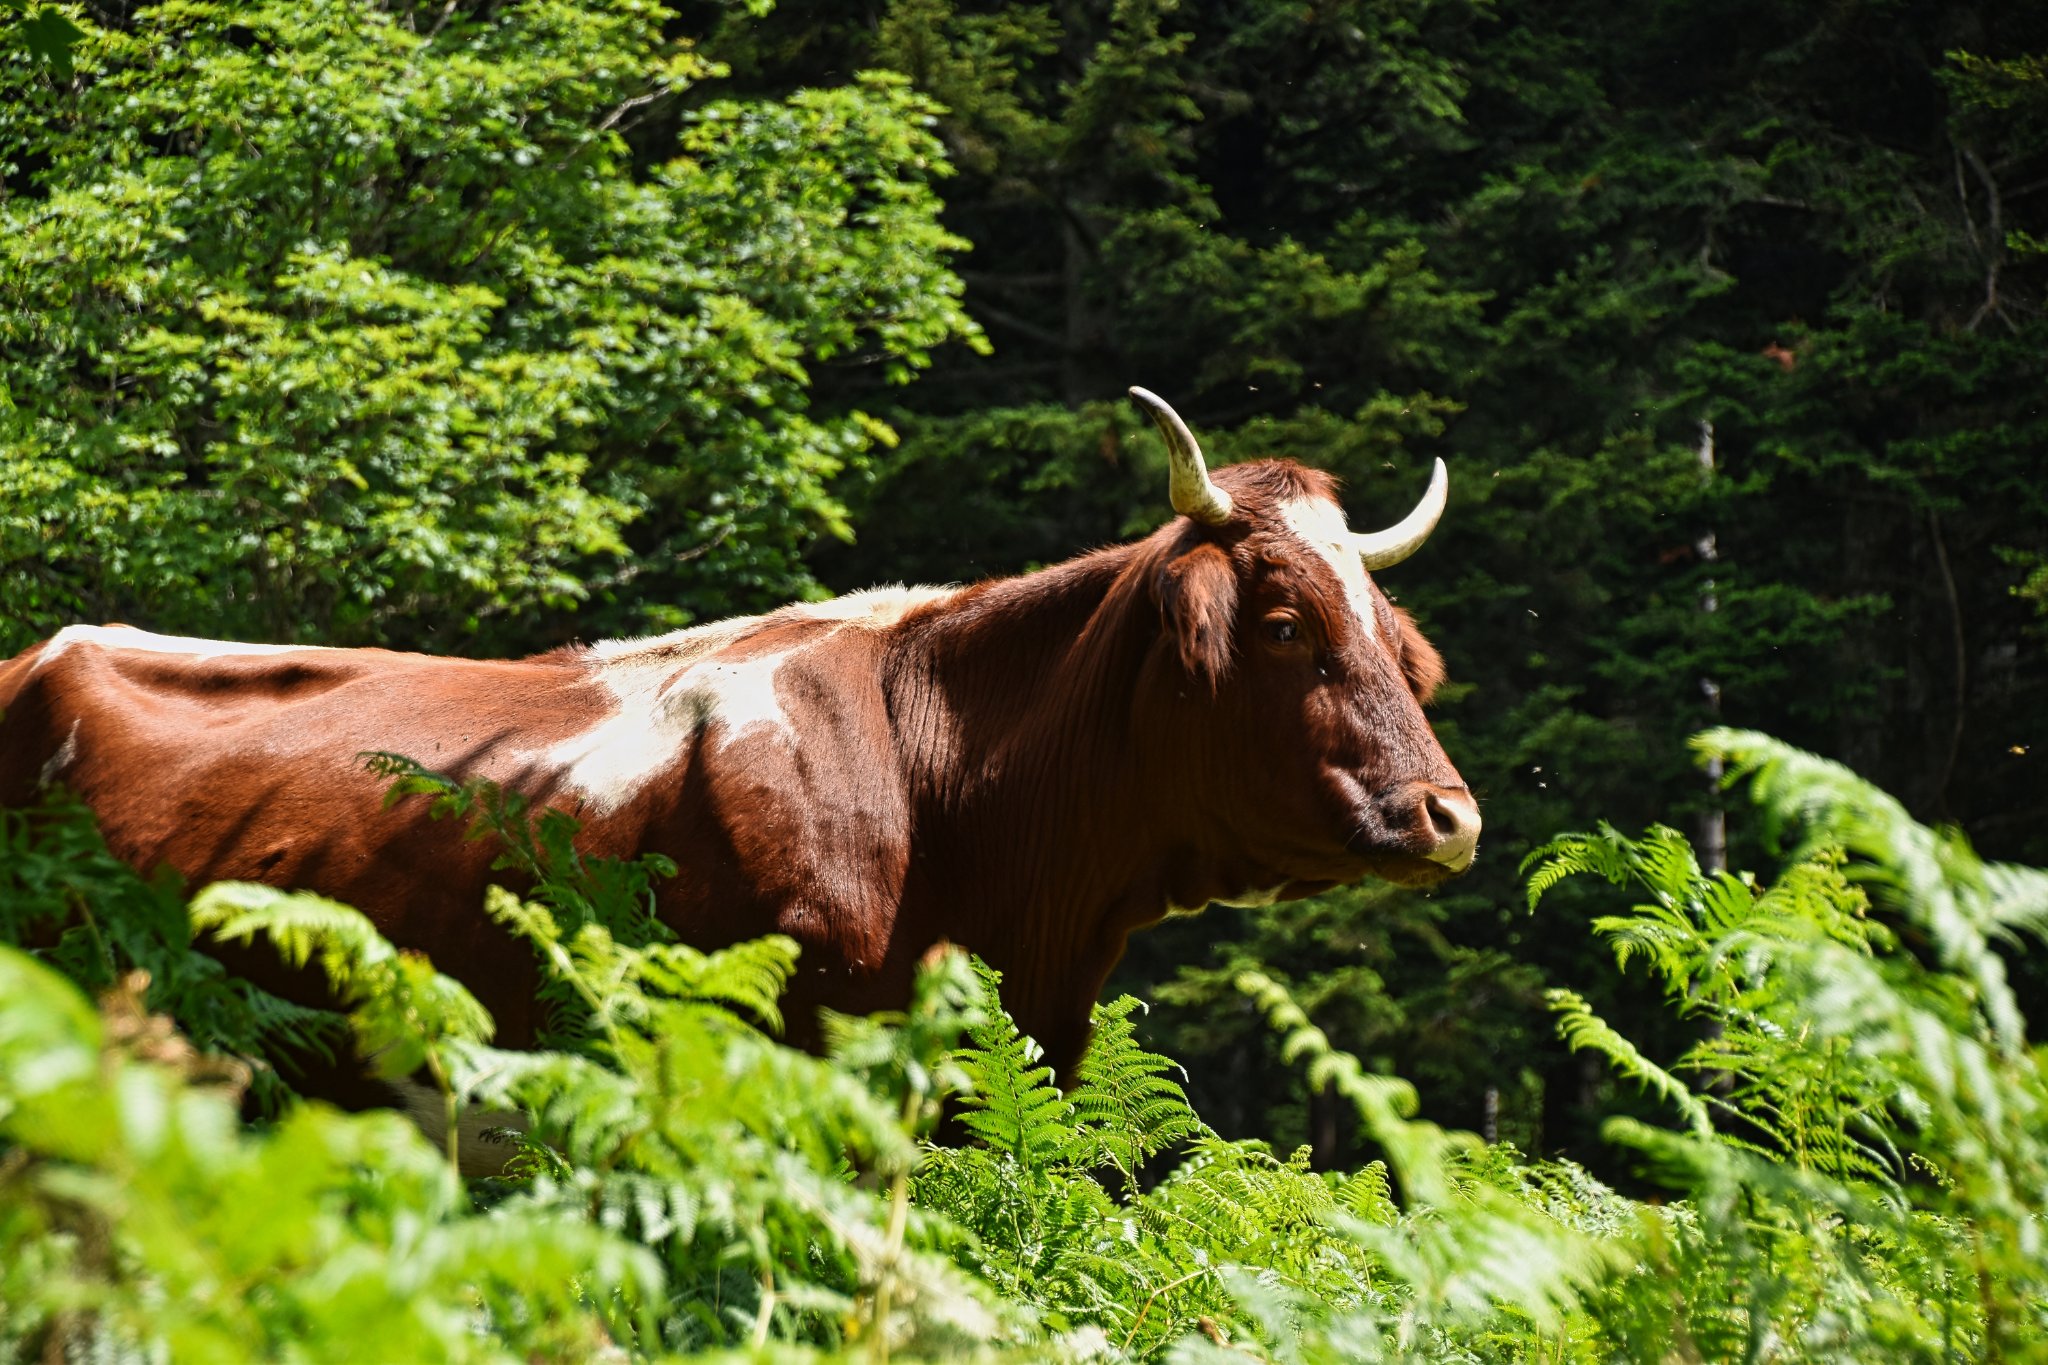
<point x="1440" y="824"/>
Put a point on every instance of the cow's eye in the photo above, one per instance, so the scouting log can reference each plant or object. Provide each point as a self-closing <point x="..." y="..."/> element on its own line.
<point x="1283" y="630"/>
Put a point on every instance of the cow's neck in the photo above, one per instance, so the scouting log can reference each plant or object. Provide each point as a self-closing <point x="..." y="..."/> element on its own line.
<point x="1015" y="705"/>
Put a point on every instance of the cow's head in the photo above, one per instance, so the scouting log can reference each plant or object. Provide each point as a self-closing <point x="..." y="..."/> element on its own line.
<point x="1300" y="685"/>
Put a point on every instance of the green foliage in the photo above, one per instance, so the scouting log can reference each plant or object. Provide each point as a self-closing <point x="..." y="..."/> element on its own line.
<point x="45" y="32"/>
<point x="140" y="1221"/>
<point x="729" y="1154"/>
<point x="73" y="905"/>
<point x="321" y="320"/>
<point x="539" y="850"/>
<point x="1233" y="1243"/>
<point x="1871" y="1123"/>
<point x="1860" y="1172"/>
<point x="1373" y="966"/>
<point x="683" y="1180"/>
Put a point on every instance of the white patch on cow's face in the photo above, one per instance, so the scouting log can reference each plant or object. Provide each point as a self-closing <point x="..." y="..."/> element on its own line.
<point x="66" y="755"/>
<point x="146" y="642"/>
<point x="1322" y="525"/>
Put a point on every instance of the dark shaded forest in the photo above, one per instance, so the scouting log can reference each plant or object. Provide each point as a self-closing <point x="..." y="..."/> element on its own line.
<point x="1727" y="321"/>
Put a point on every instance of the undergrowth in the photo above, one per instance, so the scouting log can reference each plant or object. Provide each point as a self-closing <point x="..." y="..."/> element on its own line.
<point x="1855" y="1167"/>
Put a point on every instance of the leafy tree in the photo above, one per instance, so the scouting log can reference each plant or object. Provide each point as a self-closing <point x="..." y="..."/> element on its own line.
<point x="356" y="325"/>
<point x="45" y="32"/>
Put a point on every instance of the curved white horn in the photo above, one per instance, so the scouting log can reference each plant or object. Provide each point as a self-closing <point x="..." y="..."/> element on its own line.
<point x="1193" y="494"/>
<point x="1381" y="548"/>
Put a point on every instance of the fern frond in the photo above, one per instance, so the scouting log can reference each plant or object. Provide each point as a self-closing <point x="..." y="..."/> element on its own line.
<point x="1932" y="876"/>
<point x="1583" y="1029"/>
<point x="1126" y="1109"/>
<point x="302" y="927"/>
<point x="1601" y="854"/>
<point x="1013" y="1105"/>
<point x="749" y="976"/>
<point x="401" y="1008"/>
<point x="2019" y="897"/>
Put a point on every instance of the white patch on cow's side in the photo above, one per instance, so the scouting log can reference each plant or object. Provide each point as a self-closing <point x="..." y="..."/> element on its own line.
<point x="668" y="688"/>
<point x="66" y="755"/>
<point x="147" y="642"/>
<point x="655" y="710"/>
<point x="1322" y="525"/>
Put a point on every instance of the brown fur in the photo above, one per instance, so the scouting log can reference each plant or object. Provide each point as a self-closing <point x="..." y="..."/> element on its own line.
<point x="1031" y="768"/>
<point x="1198" y="594"/>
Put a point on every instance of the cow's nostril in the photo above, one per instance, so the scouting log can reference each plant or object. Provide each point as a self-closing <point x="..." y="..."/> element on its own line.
<point x="1454" y="820"/>
<point x="1440" y="817"/>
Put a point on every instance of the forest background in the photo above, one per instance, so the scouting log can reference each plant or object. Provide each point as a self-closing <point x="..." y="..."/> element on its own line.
<point x="477" y="328"/>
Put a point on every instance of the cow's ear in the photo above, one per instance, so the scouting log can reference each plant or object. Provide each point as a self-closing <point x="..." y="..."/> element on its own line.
<point x="1198" y="597"/>
<point x="1420" y="662"/>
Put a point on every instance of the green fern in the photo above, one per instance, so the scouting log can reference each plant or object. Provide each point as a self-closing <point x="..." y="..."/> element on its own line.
<point x="402" y="1009"/>
<point x="1125" y="1108"/>
<point x="1932" y="875"/>
<point x="615" y="895"/>
<point x="1862" y="1171"/>
<point x="158" y="1229"/>
<point x="1583" y="1029"/>
<point x="77" y="907"/>
<point x="1467" y="1248"/>
<point x="1013" y="1105"/>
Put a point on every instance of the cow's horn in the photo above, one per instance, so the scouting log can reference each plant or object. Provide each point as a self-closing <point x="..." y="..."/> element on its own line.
<point x="1404" y="538"/>
<point x="1193" y="494"/>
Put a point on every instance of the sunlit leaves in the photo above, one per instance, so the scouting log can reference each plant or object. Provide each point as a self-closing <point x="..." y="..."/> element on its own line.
<point x="1864" y="1075"/>
<point x="328" y="323"/>
<point x="156" y="1224"/>
<point x="1860" y="1172"/>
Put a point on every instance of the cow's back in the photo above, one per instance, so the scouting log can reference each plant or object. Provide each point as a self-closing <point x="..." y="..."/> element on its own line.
<point x="751" y="752"/>
<point x="236" y="762"/>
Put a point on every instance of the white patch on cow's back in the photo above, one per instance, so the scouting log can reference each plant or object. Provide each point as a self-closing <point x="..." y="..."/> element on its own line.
<point x="66" y="755"/>
<point x="148" y="642"/>
<point x="1321" y="523"/>
<point x="739" y="694"/>
<point x="873" y="607"/>
<point x="668" y="688"/>
<point x="643" y="733"/>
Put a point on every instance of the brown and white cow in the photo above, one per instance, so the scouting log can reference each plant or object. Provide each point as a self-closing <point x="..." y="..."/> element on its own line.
<point x="1227" y="710"/>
